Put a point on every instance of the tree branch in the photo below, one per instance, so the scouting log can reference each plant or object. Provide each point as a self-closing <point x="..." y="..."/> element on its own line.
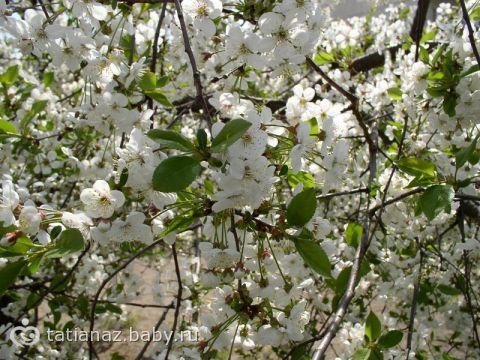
<point x="193" y="64"/>
<point x="334" y="323"/>
<point x="471" y="32"/>
<point x="179" y="299"/>
<point x="413" y="307"/>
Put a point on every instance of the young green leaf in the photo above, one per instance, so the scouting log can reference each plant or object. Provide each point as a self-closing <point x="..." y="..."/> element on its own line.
<point x="158" y="96"/>
<point x="390" y="339"/>
<point x="435" y="199"/>
<point x="341" y="282"/>
<point x="9" y="273"/>
<point x="373" y="327"/>
<point x="448" y="290"/>
<point x="202" y="139"/>
<point x="353" y="234"/>
<point x="449" y="104"/>
<point x="69" y="242"/>
<point x="22" y="245"/>
<point x="10" y="75"/>
<point x="417" y="167"/>
<point x="175" y="173"/>
<point x="323" y="58"/>
<point x="464" y="155"/>
<point x="148" y="82"/>
<point x="34" y="263"/>
<point x="170" y="139"/>
<point x="301" y="208"/>
<point x="313" y="254"/>
<point x="395" y="93"/>
<point x="230" y="133"/>
<point x="7" y="127"/>
<point x="361" y="354"/>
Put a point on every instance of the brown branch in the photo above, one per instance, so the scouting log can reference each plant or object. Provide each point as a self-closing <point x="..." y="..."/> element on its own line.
<point x="466" y="288"/>
<point x="413" y="307"/>
<point x="179" y="299"/>
<point x="153" y="61"/>
<point x="395" y="199"/>
<point x="193" y="64"/>
<point x="418" y="24"/>
<point x="91" y="348"/>
<point x="352" y="98"/>
<point x="157" y="326"/>
<point x="342" y="193"/>
<point x="471" y="32"/>
<point x="335" y="322"/>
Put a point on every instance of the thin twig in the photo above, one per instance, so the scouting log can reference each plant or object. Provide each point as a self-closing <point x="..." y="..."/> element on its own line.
<point x="157" y="326"/>
<point x="471" y="32"/>
<point x="352" y="98"/>
<point x="418" y="24"/>
<point x="91" y="348"/>
<point x="153" y="61"/>
<point x="466" y="290"/>
<point x="413" y="306"/>
<point x="193" y="64"/>
<point x="334" y="323"/>
<point x="179" y="301"/>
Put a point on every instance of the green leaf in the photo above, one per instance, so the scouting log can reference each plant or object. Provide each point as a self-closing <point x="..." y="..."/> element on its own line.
<point x="22" y="245"/>
<point x="341" y="282"/>
<point x="471" y="70"/>
<point x="439" y="53"/>
<point x="69" y="242"/>
<point x="170" y="139"/>
<point x="435" y="199"/>
<point x="449" y="104"/>
<point x="175" y="173"/>
<point x="464" y="155"/>
<point x="373" y="327"/>
<point x="179" y="223"/>
<point x="390" y="339"/>
<point x="230" y="133"/>
<point x="303" y="177"/>
<point x="7" y="127"/>
<point x="148" y="81"/>
<point x="395" y="93"/>
<point x="361" y="354"/>
<point x="428" y="36"/>
<point x="162" y="81"/>
<point x="448" y="290"/>
<point x="302" y="207"/>
<point x="158" y="96"/>
<point x="436" y="91"/>
<point x="9" y="273"/>
<point x="34" y="263"/>
<point x="423" y="55"/>
<point x="323" y="58"/>
<point x="353" y="234"/>
<point x="435" y="75"/>
<point x="10" y="75"/>
<point x="48" y="79"/>
<point x="39" y="106"/>
<point x="475" y="14"/>
<point x="417" y="167"/>
<point x="313" y="254"/>
<point x="202" y="139"/>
